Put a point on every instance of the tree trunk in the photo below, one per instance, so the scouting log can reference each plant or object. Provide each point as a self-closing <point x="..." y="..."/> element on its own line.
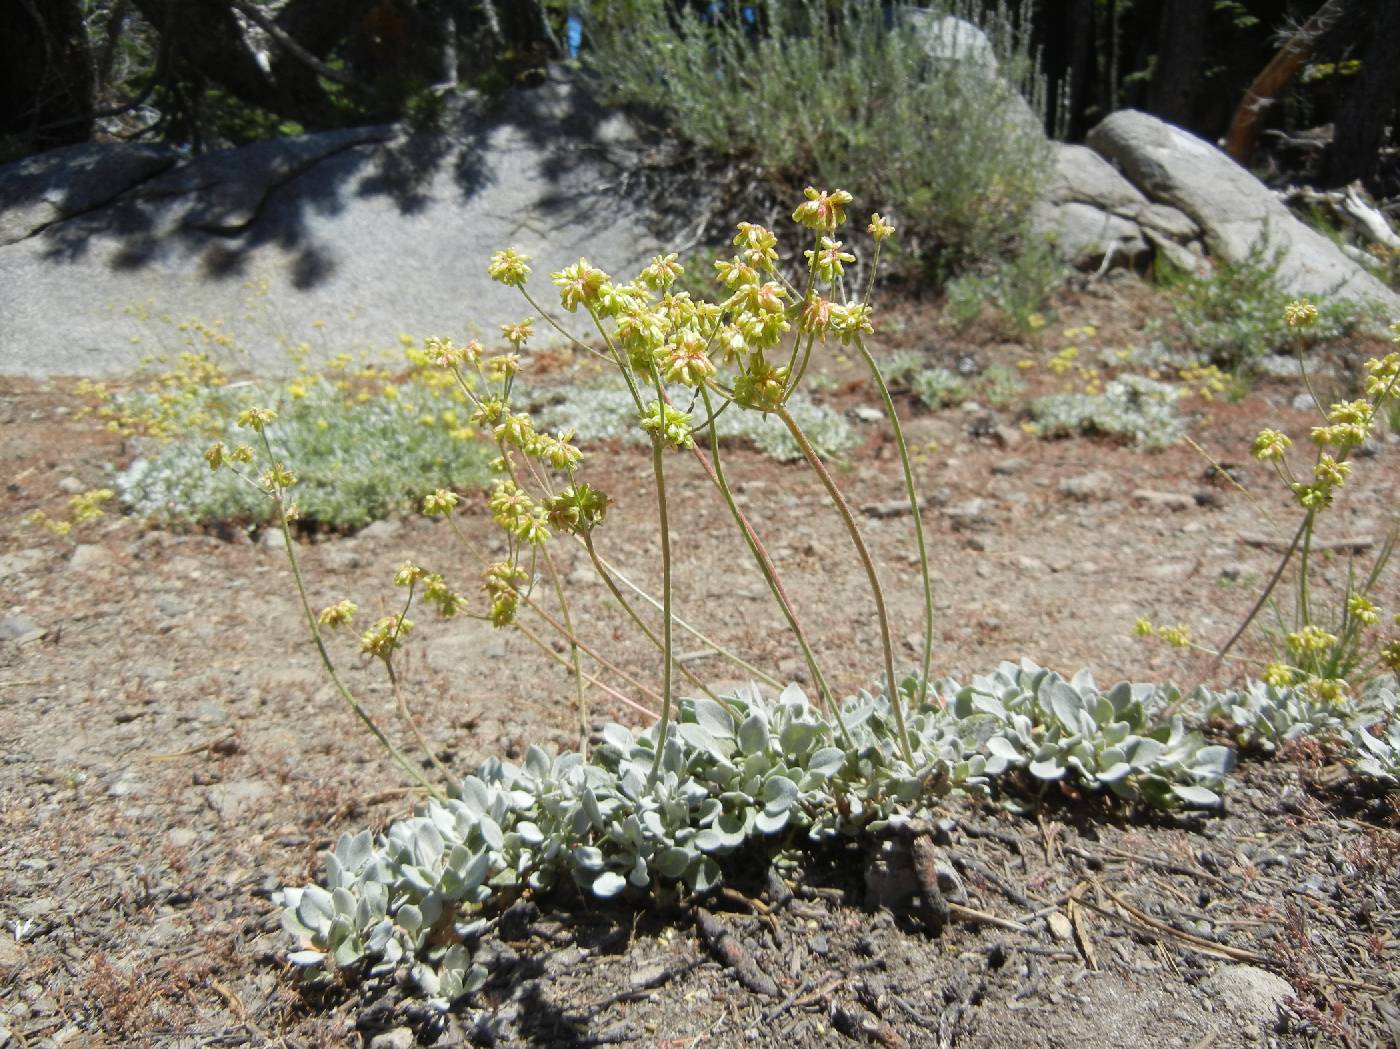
<point x="1180" y="45"/>
<point x="46" y="87"/>
<point x="1369" y="104"/>
<point x="1082" y="76"/>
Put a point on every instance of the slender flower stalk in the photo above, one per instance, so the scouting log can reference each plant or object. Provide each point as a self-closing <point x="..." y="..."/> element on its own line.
<point x="557" y="626"/>
<point x="770" y="576"/>
<point x="637" y="621"/>
<point x="658" y="451"/>
<point x="868" y="563"/>
<point x="912" y="492"/>
<point x="580" y="698"/>
<point x="713" y="646"/>
<point x="314" y="626"/>
<point x="539" y="643"/>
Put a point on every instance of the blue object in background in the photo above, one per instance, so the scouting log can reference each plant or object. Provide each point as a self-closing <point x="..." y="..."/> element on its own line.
<point x="573" y="34"/>
<point x="715" y="8"/>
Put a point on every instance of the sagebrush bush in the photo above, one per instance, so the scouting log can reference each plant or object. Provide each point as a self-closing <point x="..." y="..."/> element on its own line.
<point x="891" y="101"/>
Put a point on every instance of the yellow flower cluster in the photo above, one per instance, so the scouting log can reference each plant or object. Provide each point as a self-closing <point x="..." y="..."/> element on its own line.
<point x="381" y="640"/>
<point x="338" y="615"/>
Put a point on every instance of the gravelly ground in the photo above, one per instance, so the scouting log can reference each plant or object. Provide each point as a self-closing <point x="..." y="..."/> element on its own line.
<point x="171" y="756"/>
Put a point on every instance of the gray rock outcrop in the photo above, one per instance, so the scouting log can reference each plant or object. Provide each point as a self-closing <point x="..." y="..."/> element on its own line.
<point x="105" y="251"/>
<point x="1092" y="213"/>
<point x="1241" y="218"/>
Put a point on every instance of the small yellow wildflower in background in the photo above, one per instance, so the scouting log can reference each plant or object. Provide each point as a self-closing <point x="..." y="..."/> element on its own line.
<point x="439" y="502"/>
<point x="879" y="228"/>
<point x="1280" y="675"/>
<point x="1300" y="314"/>
<point x="84" y="507"/>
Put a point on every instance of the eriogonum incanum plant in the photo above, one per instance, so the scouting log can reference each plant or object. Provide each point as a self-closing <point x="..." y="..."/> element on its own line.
<point x="1327" y="654"/>
<point x="683" y="361"/>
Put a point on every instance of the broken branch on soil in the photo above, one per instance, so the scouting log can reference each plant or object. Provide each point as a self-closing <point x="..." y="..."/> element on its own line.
<point x="728" y="949"/>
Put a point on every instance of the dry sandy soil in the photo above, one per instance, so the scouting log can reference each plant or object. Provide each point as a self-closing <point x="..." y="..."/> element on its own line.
<point x="172" y="756"/>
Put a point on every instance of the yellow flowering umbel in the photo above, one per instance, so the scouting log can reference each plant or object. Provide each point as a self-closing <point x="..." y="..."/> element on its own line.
<point x="664" y="271"/>
<point x="671" y="424"/>
<point x="439" y="502"/>
<point x="501" y="585"/>
<point x="381" y="640"/>
<point x="517" y="513"/>
<point x="440" y="596"/>
<point x="1271" y="446"/>
<point x="1363" y="610"/>
<point x="1326" y="689"/>
<point x="827" y="261"/>
<point x="1300" y="314"/>
<point x="338" y="615"/>
<point x="879" y="227"/>
<point x="1350" y="425"/>
<point x="822" y="210"/>
<point x="519" y="333"/>
<point x="509" y="267"/>
<point x="1177" y="636"/>
<point x="1310" y="640"/>
<point x="1390" y="655"/>
<point x="1279" y="675"/>
<point x="256" y="418"/>
<point x="759" y="245"/>
<point x="578" y="509"/>
<point x="1382" y="374"/>
<point x="277" y="477"/>
<point x="687" y="362"/>
<point x="579" y="285"/>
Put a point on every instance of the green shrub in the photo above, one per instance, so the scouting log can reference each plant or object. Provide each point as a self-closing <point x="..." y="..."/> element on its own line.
<point x="1235" y="316"/>
<point x="847" y="93"/>
<point x="1018" y="286"/>
<point x="356" y="460"/>
<point x="1131" y="406"/>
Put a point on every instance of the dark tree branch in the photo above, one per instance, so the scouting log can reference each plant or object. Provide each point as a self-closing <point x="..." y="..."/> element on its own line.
<point x="283" y="40"/>
<point x="1245" y="127"/>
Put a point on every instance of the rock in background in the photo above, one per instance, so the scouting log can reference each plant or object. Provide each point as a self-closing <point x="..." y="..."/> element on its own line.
<point x="1168" y="192"/>
<point x="375" y="231"/>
